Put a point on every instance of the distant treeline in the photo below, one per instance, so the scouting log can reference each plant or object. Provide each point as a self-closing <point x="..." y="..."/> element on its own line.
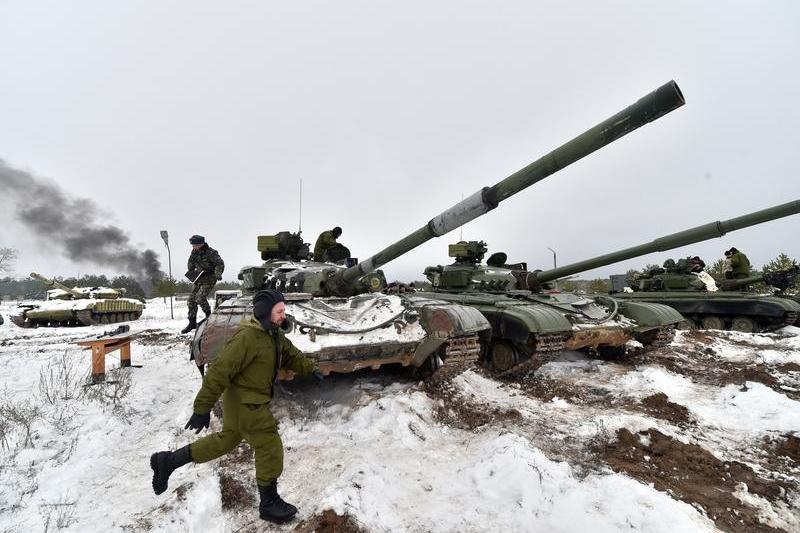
<point x="32" y="289"/>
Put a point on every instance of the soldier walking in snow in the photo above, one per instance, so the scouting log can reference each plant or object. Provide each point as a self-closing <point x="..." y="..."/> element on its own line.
<point x="205" y="268"/>
<point x="244" y="374"/>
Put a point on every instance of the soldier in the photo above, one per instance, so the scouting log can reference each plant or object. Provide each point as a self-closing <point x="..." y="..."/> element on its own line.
<point x="326" y="240"/>
<point x="244" y="373"/>
<point x="739" y="265"/>
<point x="205" y="268"/>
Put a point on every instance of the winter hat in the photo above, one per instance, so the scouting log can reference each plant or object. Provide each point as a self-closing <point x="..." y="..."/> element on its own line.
<point x="197" y="239"/>
<point x="264" y="301"/>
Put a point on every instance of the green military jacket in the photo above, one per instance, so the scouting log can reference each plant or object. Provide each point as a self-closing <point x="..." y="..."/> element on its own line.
<point x="249" y="363"/>
<point x="740" y="265"/>
<point x="324" y="241"/>
<point x="208" y="260"/>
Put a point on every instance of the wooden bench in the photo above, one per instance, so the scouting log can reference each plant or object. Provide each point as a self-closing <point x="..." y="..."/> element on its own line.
<point x="104" y="346"/>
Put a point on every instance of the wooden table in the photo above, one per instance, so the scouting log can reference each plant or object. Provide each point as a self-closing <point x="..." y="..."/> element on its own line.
<point x="103" y="346"/>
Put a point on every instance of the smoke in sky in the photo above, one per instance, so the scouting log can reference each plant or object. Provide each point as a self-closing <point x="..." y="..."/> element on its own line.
<point x="77" y="227"/>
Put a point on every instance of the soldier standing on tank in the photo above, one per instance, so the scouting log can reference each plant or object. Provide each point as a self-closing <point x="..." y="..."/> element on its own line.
<point x="205" y="268"/>
<point x="326" y="240"/>
<point x="739" y="265"/>
<point x="244" y="374"/>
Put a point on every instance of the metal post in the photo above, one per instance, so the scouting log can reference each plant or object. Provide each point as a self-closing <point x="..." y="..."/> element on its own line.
<point x="554" y="257"/>
<point x="165" y="236"/>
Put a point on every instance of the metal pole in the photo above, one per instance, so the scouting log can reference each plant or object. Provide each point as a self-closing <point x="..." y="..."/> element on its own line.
<point x="554" y="257"/>
<point x="172" y="283"/>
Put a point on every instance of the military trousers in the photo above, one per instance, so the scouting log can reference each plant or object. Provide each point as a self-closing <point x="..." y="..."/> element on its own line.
<point x="199" y="296"/>
<point x="255" y="424"/>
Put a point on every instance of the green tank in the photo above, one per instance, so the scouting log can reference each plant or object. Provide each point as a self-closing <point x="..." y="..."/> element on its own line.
<point x="81" y="306"/>
<point x="687" y="292"/>
<point x="339" y="314"/>
<point x="531" y="323"/>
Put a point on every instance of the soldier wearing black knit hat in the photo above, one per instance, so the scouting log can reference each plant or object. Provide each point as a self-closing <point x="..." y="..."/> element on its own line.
<point x="244" y="374"/>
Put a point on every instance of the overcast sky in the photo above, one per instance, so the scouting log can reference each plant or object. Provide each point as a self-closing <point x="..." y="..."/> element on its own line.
<point x="203" y="117"/>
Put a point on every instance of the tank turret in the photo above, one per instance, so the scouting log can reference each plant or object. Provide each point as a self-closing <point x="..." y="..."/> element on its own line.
<point x="53" y="284"/>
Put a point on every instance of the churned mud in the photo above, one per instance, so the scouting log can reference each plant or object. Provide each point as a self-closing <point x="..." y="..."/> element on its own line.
<point x="329" y="522"/>
<point x="692" y="474"/>
<point x="659" y="406"/>
<point x="454" y="410"/>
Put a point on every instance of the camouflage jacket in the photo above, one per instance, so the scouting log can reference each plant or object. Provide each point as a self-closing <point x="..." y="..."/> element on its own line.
<point x="208" y="260"/>
<point x="249" y="362"/>
<point x="324" y="241"/>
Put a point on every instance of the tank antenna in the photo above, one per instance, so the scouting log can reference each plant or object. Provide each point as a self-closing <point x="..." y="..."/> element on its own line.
<point x="300" y="209"/>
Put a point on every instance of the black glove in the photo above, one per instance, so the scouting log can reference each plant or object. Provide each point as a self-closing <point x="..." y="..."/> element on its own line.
<point x="199" y="422"/>
<point x="318" y="375"/>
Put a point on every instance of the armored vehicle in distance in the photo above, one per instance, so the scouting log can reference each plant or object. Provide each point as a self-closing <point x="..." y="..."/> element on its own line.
<point x="686" y="292"/>
<point x="338" y="314"/>
<point x="81" y="306"/>
<point x="720" y="304"/>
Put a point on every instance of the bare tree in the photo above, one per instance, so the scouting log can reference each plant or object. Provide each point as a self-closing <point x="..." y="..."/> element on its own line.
<point x="8" y="256"/>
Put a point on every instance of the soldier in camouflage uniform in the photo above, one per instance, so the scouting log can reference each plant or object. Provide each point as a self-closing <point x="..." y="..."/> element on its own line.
<point x="205" y="262"/>
<point x="244" y="375"/>
<point x="326" y="240"/>
<point x="738" y="264"/>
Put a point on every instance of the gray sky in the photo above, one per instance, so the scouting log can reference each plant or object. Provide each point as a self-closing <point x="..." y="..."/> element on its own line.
<point x="201" y="117"/>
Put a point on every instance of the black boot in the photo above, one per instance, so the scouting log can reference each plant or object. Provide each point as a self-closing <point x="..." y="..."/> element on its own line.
<point x="272" y="506"/>
<point x="192" y="324"/>
<point x="165" y="463"/>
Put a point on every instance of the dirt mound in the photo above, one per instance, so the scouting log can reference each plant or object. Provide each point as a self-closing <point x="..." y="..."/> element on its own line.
<point x="659" y="406"/>
<point x="455" y="410"/>
<point x="692" y="474"/>
<point x="790" y="447"/>
<point x="329" y="522"/>
<point x="546" y="389"/>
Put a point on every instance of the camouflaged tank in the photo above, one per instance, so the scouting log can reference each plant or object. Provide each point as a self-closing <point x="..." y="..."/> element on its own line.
<point x="705" y="302"/>
<point x="81" y="306"/>
<point x="531" y="322"/>
<point x="339" y="315"/>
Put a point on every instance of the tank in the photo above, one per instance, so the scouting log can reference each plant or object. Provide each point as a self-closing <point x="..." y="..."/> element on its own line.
<point x="81" y="306"/>
<point x="687" y="292"/>
<point x="339" y="314"/>
<point x="532" y="323"/>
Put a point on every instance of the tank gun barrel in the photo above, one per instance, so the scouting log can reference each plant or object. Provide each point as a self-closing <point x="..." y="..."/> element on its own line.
<point x="56" y="285"/>
<point x="666" y="98"/>
<point x="669" y="242"/>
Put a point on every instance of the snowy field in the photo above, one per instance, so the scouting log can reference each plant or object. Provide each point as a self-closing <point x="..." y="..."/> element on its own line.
<point x="702" y="435"/>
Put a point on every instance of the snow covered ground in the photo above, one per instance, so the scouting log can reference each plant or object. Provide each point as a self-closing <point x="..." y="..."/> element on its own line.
<point x="545" y="452"/>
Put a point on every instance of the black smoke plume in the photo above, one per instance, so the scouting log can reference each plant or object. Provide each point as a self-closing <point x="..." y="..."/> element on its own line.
<point x="77" y="227"/>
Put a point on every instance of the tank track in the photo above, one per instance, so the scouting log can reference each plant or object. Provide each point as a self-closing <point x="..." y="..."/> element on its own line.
<point x="462" y="351"/>
<point x="88" y="318"/>
<point x="663" y="337"/>
<point x="548" y="347"/>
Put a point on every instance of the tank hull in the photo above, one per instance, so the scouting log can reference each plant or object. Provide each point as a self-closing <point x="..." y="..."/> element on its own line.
<point x="367" y="331"/>
<point x="725" y="310"/>
<point x="529" y="328"/>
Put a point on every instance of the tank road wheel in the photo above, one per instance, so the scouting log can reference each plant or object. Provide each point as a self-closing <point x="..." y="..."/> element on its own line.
<point x="744" y="324"/>
<point x="503" y="356"/>
<point x="713" y="322"/>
